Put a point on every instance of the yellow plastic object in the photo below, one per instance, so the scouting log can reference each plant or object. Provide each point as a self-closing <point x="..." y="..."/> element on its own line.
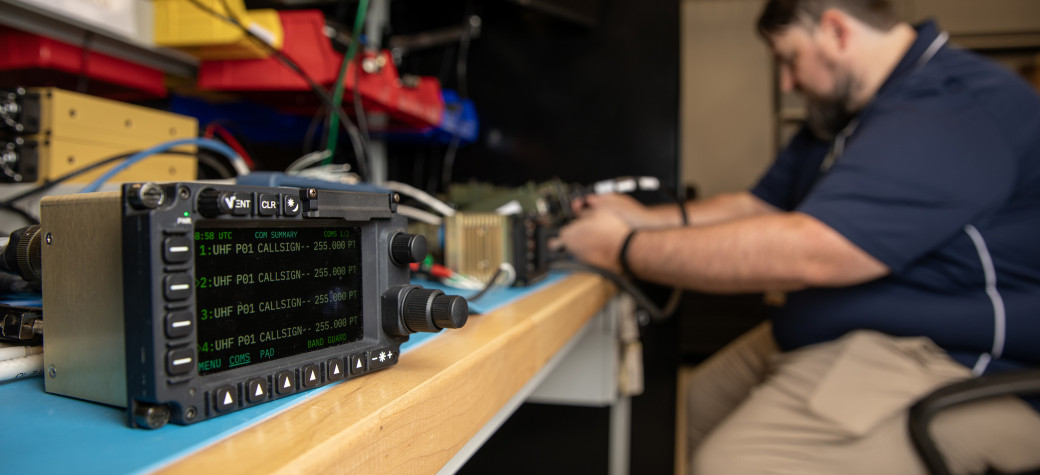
<point x="184" y="25"/>
<point x="77" y="130"/>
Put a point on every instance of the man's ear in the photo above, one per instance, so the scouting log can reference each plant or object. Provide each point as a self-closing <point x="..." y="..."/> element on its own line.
<point x="834" y="26"/>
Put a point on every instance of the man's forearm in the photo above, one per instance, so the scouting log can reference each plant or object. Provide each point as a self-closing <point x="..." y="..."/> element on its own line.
<point x="716" y="209"/>
<point x="775" y="251"/>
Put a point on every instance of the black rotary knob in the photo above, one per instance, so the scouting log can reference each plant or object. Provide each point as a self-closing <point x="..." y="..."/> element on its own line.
<point x="430" y="310"/>
<point x="450" y="311"/>
<point x="213" y="203"/>
<point x="407" y="248"/>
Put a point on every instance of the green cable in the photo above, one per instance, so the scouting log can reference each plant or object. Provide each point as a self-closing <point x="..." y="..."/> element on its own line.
<point x="337" y="95"/>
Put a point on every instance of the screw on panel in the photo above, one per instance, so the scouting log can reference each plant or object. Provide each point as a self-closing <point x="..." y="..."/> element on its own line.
<point x="312" y="193"/>
<point x="48" y="239"/>
<point x="184" y="193"/>
<point x="146" y="196"/>
<point x="52" y="372"/>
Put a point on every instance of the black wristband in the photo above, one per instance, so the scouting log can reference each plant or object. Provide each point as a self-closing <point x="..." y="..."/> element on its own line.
<point x="623" y="255"/>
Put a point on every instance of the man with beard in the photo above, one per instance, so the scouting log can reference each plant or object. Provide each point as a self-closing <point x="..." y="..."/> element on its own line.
<point x="900" y="222"/>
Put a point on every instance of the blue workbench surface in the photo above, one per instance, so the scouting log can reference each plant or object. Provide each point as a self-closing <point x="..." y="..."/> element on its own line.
<point x="45" y="433"/>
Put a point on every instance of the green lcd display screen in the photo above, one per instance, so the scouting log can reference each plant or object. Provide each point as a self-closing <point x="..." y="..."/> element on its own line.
<point x="266" y="290"/>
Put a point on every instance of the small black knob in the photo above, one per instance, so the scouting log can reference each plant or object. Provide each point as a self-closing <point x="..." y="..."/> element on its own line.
<point x="407" y="248"/>
<point x="450" y="311"/>
<point x="213" y="203"/>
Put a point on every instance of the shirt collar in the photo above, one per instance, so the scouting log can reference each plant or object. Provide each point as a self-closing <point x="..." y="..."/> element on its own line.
<point x="927" y="32"/>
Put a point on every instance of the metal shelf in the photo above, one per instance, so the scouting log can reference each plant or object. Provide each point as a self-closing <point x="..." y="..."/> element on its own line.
<point x="32" y="18"/>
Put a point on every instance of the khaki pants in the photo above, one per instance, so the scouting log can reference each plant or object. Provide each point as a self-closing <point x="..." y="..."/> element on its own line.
<point x="841" y="408"/>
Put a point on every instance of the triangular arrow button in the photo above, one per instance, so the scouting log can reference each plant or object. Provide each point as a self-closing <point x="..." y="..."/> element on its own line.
<point x="259" y="390"/>
<point x="287" y="383"/>
<point x="228" y="399"/>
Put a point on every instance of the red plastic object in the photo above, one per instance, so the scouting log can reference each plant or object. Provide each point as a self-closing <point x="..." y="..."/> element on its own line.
<point x="27" y="59"/>
<point x="304" y="43"/>
<point x="422" y="105"/>
<point x="268" y="80"/>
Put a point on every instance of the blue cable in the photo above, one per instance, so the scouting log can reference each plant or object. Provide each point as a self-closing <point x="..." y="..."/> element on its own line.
<point x="210" y="144"/>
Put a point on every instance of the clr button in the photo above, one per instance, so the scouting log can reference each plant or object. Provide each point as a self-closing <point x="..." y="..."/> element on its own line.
<point x="267" y="205"/>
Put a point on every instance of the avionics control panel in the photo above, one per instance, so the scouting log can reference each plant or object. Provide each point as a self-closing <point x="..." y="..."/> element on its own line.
<point x="186" y="301"/>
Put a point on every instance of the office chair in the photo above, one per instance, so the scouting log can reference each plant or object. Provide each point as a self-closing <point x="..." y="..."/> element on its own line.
<point x="1019" y="383"/>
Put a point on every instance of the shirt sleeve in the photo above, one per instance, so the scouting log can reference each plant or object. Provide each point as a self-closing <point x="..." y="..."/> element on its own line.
<point x="786" y="181"/>
<point x="913" y="176"/>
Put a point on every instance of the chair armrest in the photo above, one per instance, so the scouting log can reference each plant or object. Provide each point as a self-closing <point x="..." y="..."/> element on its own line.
<point x="1016" y="383"/>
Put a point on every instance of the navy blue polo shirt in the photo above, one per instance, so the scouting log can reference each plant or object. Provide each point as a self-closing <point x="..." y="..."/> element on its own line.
<point x="940" y="181"/>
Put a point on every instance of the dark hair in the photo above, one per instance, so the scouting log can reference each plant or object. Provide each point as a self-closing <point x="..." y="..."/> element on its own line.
<point x="780" y="14"/>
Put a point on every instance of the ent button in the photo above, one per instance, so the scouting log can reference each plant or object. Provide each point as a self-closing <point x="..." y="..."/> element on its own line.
<point x="242" y="204"/>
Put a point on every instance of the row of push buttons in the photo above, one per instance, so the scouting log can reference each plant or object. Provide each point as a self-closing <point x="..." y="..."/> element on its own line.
<point x="177" y="289"/>
<point x="255" y="390"/>
<point x="241" y="203"/>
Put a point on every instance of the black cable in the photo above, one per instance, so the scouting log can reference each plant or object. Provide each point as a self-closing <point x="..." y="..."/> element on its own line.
<point x="461" y="71"/>
<point x="644" y="302"/>
<point x="48" y="184"/>
<point x="352" y="130"/>
<point x="359" y="108"/>
<point x="680" y="200"/>
<point x="490" y="284"/>
<point x="222" y="170"/>
<point x="29" y="218"/>
<point x="312" y="129"/>
<point x="83" y="81"/>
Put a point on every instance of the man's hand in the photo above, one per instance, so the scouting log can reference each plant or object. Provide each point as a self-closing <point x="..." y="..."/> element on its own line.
<point x="634" y="213"/>
<point x="595" y="238"/>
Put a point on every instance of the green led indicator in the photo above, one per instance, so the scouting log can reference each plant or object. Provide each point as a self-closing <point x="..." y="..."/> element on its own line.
<point x="186" y="213"/>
